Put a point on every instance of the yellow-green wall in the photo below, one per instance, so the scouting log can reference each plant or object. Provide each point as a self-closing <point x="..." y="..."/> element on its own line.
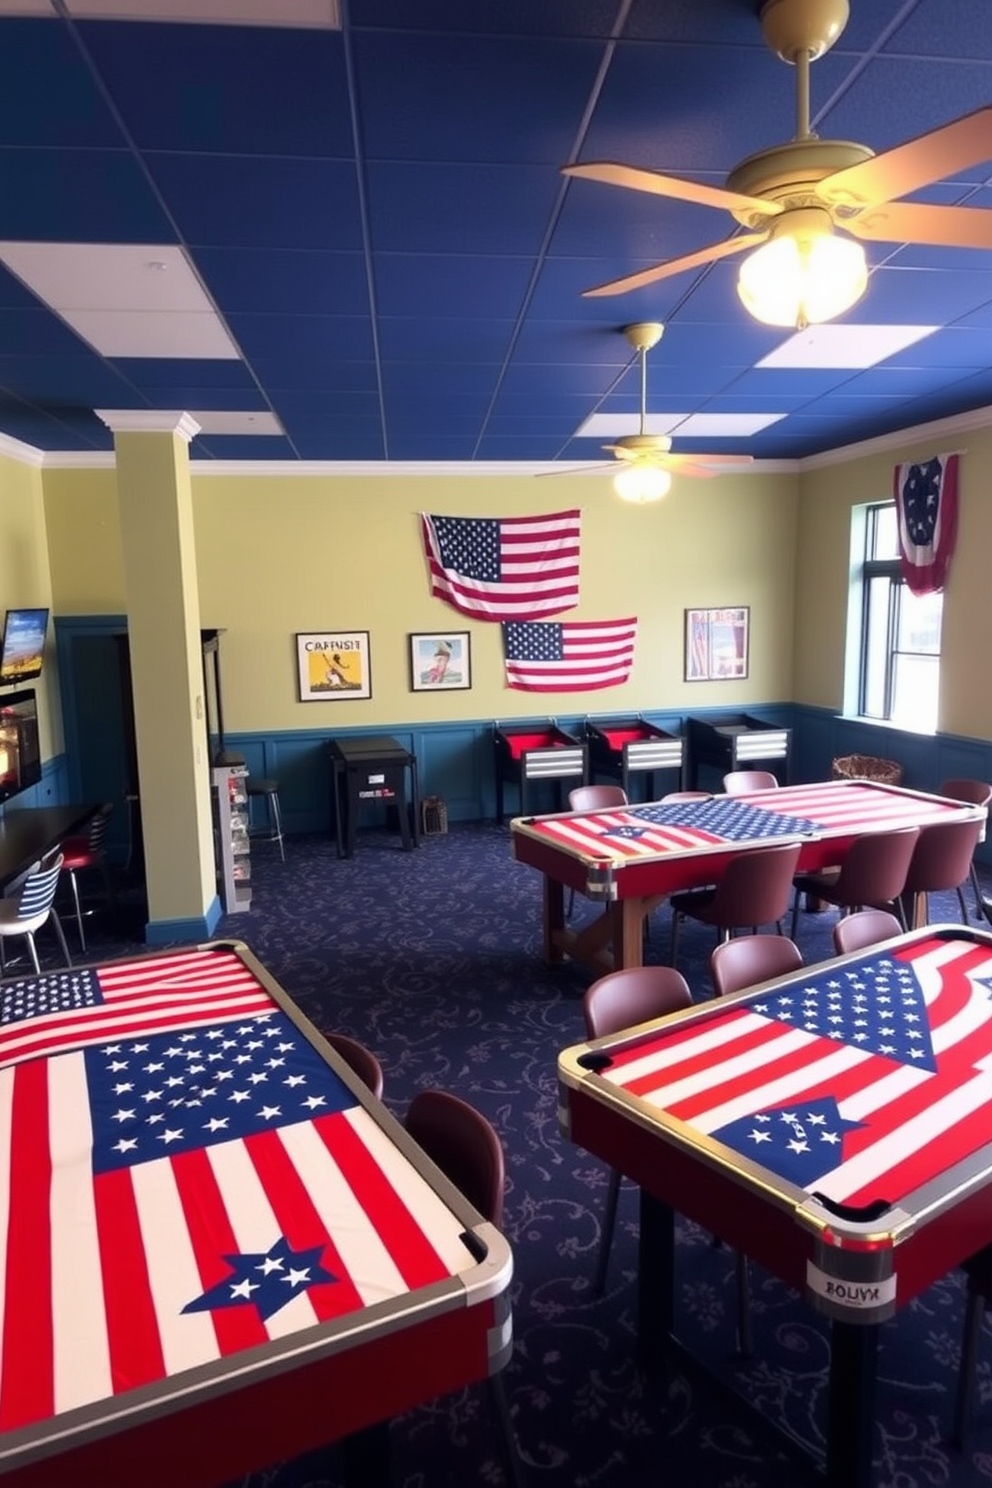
<point x="278" y="554"/>
<point x="25" y="578"/>
<point x="826" y="498"/>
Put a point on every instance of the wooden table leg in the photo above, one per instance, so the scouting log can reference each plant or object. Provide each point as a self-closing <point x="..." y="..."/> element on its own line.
<point x="554" y="920"/>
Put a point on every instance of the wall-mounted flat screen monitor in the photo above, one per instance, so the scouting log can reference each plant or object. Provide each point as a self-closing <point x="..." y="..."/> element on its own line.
<point x="23" y="651"/>
<point x="20" y="755"/>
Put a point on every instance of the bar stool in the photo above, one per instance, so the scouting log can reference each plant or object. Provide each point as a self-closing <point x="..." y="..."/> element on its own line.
<point x="272" y="830"/>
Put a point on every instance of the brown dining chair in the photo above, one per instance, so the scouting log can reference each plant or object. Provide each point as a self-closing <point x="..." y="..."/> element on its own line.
<point x="746" y="960"/>
<point x="942" y="859"/>
<point x="359" y="1059"/>
<point x="619" y="1000"/>
<point x="753" y="890"/>
<point x="675" y="796"/>
<point x="593" y="798"/>
<point x="465" y="1145"/>
<point x="863" y="928"/>
<point x="596" y="797"/>
<point x="872" y="874"/>
<point x="742" y="782"/>
<point x="971" y="793"/>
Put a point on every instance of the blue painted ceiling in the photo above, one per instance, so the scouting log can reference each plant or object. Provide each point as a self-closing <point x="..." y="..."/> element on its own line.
<point x="379" y="216"/>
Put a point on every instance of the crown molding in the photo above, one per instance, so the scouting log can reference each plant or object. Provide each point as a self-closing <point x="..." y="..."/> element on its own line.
<point x="149" y="421"/>
<point x="958" y="423"/>
<point x="131" y="421"/>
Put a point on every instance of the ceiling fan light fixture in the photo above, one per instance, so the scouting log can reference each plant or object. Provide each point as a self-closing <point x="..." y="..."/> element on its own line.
<point x="641" y="482"/>
<point x="802" y="277"/>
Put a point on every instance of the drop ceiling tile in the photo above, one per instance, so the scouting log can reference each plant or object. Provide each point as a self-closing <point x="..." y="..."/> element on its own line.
<point x="450" y="285"/>
<point x="469" y="80"/>
<point x="258" y="202"/>
<point x="285" y="281"/>
<point x="426" y="207"/>
<point x="74" y="115"/>
<point x="243" y="91"/>
<point x="136" y="333"/>
<point x="78" y="195"/>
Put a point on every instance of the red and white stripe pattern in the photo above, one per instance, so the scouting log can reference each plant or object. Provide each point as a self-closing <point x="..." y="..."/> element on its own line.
<point x="511" y="568"/>
<point x="114" y="1227"/>
<point x="914" y="1123"/>
<point x="125" y="997"/>
<point x="831" y="808"/>
<point x="836" y="807"/>
<point x="593" y="836"/>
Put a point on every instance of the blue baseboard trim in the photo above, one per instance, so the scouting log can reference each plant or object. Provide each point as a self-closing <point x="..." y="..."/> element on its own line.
<point x="165" y="932"/>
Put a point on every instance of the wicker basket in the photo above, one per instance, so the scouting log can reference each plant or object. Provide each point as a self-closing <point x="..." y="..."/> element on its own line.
<point x="866" y="767"/>
<point x="433" y="816"/>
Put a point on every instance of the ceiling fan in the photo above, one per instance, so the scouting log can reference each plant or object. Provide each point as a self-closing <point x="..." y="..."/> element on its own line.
<point x="793" y="196"/>
<point x="647" y="463"/>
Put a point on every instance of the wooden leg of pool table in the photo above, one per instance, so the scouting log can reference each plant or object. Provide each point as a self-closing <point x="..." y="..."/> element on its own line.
<point x="614" y="939"/>
<point x="628" y="933"/>
<point x="554" y="920"/>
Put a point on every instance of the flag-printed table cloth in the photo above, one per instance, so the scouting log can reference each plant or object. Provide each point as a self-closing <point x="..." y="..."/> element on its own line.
<point x="834" y="1124"/>
<point x="187" y="1185"/>
<point x="859" y="1083"/>
<point x="666" y="847"/>
<point x="630" y="858"/>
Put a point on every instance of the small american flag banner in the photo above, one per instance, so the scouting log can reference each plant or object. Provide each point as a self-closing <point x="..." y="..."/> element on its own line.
<point x="927" y="505"/>
<point x="507" y="568"/>
<point x="569" y="656"/>
<point x="183" y="1178"/>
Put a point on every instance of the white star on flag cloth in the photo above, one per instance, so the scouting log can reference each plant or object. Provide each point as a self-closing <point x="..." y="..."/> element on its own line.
<point x="862" y="1081"/>
<point x="504" y="568"/>
<point x="187" y="1178"/>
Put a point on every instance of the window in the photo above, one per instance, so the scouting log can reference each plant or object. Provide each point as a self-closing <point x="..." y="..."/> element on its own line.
<point x="900" y="633"/>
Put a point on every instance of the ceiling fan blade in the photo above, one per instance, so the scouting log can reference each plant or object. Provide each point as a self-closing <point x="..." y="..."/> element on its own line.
<point x="912" y="222"/>
<point x="676" y="265"/>
<point x="612" y="174"/>
<point x="919" y="162"/>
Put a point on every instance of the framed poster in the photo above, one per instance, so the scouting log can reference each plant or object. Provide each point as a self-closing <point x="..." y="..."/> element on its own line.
<point x="440" y="661"/>
<point x="333" y="665"/>
<point x="716" y="643"/>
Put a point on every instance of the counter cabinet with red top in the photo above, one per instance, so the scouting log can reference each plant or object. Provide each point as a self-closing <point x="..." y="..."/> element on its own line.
<point x="737" y="741"/>
<point x="632" y="750"/>
<point x="528" y="753"/>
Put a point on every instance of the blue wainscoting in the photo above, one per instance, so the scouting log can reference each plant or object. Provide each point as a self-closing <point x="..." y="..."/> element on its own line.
<point x="52" y="789"/>
<point x="455" y="760"/>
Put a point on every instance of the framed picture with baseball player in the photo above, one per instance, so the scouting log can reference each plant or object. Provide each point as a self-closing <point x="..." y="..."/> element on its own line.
<point x="333" y="666"/>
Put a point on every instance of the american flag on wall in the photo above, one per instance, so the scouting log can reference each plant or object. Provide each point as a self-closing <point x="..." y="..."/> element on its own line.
<point x="183" y="1177"/>
<point x="507" y="568"/>
<point x="858" y="1082"/>
<point x="927" y="504"/>
<point x="570" y="655"/>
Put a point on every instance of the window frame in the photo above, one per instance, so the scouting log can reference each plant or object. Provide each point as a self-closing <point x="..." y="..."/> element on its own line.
<point x="872" y="569"/>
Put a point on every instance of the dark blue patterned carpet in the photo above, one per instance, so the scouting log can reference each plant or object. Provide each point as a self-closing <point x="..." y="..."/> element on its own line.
<point x="432" y="958"/>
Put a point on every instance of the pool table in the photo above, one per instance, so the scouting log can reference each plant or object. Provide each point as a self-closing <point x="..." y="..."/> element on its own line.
<point x="225" y="1251"/>
<point x="833" y="1124"/>
<point x="631" y="858"/>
